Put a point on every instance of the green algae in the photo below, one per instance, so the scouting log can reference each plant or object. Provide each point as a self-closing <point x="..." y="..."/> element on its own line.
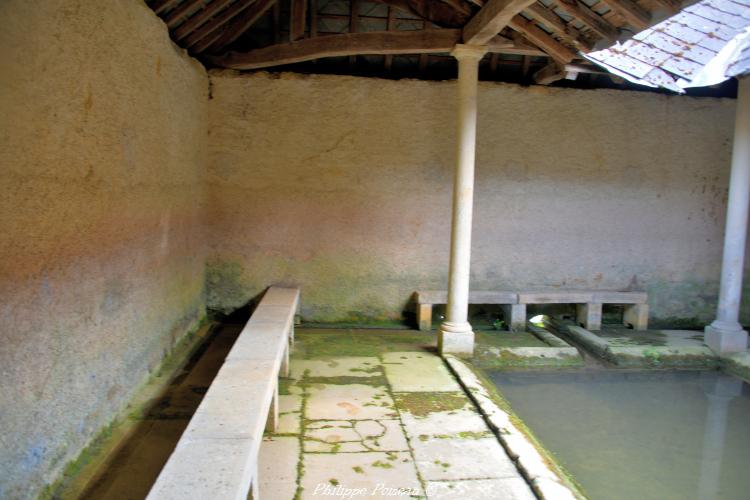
<point x="381" y="464"/>
<point x="329" y="343"/>
<point x="421" y="404"/>
<point x="358" y="469"/>
<point x="86" y="463"/>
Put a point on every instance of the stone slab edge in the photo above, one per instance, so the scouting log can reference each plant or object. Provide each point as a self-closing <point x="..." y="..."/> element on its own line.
<point x="737" y="364"/>
<point x="545" y="483"/>
<point x="547" y="337"/>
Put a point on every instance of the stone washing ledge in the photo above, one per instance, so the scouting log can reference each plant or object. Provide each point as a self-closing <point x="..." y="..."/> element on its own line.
<point x="545" y="482"/>
<point x="645" y="355"/>
<point x="737" y="364"/>
<point x="556" y="354"/>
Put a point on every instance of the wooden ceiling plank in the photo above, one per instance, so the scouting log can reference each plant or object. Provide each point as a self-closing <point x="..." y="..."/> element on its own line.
<point x="199" y="18"/>
<point x="491" y="19"/>
<point x="373" y="42"/>
<point x="210" y="27"/>
<point x="541" y="39"/>
<point x="588" y="17"/>
<point x="240" y="25"/>
<point x="163" y="5"/>
<point x="297" y="20"/>
<point x="634" y="14"/>
<point x="435" y="11"/>
<point x="181" y="11"/>
<point x="558" y="25"/>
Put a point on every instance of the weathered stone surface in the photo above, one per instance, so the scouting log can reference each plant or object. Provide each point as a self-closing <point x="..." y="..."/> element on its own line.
<point x="480" y="489"/>
<point x="337" y="367"/>
<point x="418" y="372"/>
<point x="440" y="459"/>
<point x="104" y="151"/>
<point x="358" y="470"/>
<point x="348" y="402"/>
<point x="441" y="423"/>
<point x="404" y="198"/>
<point x="289" y="423"/>
<point x="382" y="435"/>
<point x="277" y="467"/>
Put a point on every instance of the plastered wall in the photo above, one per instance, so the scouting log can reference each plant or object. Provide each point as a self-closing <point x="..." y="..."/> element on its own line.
<point x="343" y="185"/>
<point x="103" y="132"/>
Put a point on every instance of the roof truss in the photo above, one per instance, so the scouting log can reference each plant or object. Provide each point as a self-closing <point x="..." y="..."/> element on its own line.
<point x="223" y="32"/>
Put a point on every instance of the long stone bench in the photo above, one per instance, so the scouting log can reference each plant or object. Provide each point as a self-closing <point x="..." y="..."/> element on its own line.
<point x="428" y="298"/>
<point x="217" y="455"/>
<point x="588" y="305"/>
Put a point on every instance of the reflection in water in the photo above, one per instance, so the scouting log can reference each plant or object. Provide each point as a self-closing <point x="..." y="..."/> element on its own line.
<point x="645" y="435"/>
<point x="720" y="391"/>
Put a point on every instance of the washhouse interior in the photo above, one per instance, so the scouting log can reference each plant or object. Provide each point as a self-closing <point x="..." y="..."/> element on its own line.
<point x="444" y="249"/>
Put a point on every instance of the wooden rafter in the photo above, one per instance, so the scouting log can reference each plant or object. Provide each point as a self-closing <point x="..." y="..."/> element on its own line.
<point x="559" y="26"/>
<point x="435" y="11"/>
<point x="352" y="44"/>
<point x="541" y="39"/>
<point x="212" y="26"/>
<point x="373" y="42"/>
<point x="199" y="18"/>
<point x="549" y="74"/>
<point x="163" y="5"/>
<point x="491" y="19"/>
<point x="239" y="25"/>
<point x="634" y="14"/>
<point x="588" y="17"/>
<point x="181" y="11"/>
<point x="297" y="19"/>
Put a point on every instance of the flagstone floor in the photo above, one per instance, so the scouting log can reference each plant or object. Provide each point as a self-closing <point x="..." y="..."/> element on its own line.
<point x="374" y="414"/>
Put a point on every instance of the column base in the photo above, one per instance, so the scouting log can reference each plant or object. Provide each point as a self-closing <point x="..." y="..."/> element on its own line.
<point x="725" y="339"/>
<point x="456" y="338"/>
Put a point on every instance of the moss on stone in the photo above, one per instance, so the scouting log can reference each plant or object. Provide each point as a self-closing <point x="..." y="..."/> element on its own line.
<point x="77" y="471"/>
<point x="329" y="343"/>
<point x="421" y="404"/>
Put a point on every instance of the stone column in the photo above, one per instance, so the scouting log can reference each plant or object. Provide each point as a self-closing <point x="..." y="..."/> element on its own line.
<point x="456" y="335"/>
<point x="725" y="335"/>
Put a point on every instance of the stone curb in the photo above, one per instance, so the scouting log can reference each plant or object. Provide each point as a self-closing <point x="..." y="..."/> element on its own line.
<point x="544" y="482"/>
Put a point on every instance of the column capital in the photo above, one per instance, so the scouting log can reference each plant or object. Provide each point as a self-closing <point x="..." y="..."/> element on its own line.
<point x="469" y="52"/>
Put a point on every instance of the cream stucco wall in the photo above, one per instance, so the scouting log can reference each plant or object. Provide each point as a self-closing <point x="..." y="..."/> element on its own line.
<point x="342" y="185"/>
<point x="103" y="131"/>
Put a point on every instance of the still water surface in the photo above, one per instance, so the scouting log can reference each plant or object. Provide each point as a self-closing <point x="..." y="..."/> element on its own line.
<point x="641" y="435"/>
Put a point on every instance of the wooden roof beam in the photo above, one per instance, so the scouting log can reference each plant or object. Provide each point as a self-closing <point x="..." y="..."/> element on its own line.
<point x="348" y="44"/>
<point x="541" y="39"/>
<point x="297" y="19"/>
<point x="558" y="25"/>
<point x="434" y="11"/>
<point x="161" y="5"/>
<point x="199" y="18"/>
<point x="491" y="19"/>
<point x="634" y="14"/>
<point x="238" y="26"/>
<point x="181" y="11"/>
<point x="588" y="17"/>
<point x="213" y="25"/>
